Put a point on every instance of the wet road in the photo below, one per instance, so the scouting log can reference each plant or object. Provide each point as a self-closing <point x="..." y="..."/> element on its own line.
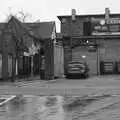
<point x="29" y="107"/>
<point x="33" y="108"/>
<point x="37" y="104"/>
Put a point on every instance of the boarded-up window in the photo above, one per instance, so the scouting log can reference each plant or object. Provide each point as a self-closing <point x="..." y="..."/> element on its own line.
<point x="0" y="65"/>
<point x="9" y="65"/>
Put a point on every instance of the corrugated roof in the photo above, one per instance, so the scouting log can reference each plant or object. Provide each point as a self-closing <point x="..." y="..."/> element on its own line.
<point x="44" y="29"/>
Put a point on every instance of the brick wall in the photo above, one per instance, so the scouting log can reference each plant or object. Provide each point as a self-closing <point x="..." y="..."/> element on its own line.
<point x="74" y="28"/>
<point x="110" y="50"/>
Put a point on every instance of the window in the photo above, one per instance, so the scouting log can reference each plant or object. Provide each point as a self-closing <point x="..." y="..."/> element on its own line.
<point x="87" y="28"/>
<point x="10" y="65"/>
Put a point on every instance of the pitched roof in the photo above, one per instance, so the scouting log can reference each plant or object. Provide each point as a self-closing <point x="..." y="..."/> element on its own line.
<point x="26" y="28"/>
<point x="44" y="29"/>
<point x="22" y="27"/>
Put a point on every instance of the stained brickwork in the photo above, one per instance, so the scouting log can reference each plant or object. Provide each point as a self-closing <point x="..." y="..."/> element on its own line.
<point x="72" y="28"/>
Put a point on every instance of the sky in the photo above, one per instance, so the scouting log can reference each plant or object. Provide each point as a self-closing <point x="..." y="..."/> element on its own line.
<point x="48" y="10"/>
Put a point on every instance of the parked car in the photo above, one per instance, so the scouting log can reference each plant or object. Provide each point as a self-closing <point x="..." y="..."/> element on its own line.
<point x="77" y="69"/>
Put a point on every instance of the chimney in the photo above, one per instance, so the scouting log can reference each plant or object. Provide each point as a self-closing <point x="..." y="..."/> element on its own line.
<point x="107" y="13"/>
<point x="73" y="14"/>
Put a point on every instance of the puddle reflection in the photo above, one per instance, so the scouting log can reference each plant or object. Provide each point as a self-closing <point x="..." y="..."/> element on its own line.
<point x="33" y="108"/>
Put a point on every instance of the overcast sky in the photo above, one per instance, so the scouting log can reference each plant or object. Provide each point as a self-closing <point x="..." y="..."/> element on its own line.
<point x="48" y="10"/>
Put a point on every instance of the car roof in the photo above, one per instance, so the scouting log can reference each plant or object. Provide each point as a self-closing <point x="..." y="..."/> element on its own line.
<point x="76" y="62"/>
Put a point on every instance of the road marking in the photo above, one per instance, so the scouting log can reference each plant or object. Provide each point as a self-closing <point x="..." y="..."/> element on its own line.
<point x="7" y="99"/>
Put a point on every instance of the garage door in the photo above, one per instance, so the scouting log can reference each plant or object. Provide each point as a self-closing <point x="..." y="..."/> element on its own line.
<point x="108" y="67"/>
<point x="82" y="54"/>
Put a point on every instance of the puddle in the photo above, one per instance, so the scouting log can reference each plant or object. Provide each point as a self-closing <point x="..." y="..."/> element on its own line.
<point x="30" y="107"/>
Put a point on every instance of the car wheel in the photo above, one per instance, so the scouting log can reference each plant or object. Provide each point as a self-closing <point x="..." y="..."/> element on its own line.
<point x="85" y="76"/>
<point x="67" y="76"/>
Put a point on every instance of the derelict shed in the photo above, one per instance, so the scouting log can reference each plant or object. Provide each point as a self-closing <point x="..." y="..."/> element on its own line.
<point x="52" y="52"/>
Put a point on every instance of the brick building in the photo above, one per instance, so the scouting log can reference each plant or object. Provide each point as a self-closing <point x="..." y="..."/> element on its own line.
<point x="28" y="49"/>
<point x="93" y="38"/>
<point x="47" y="30"/>
<point x="15" y="40"/>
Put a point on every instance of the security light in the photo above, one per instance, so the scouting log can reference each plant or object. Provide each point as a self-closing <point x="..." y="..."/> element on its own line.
<point x="83" y="56"/>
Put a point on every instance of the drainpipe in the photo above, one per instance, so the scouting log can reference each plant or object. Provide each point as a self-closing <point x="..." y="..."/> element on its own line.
<point x="71" y="37"/>
<point x="98" y="57"/>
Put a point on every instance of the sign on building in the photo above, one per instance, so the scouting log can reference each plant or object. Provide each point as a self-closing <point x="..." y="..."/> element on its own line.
<point x="106" y="26"/>
<point x="100" y="27"/>
<point x="112" y="21"/>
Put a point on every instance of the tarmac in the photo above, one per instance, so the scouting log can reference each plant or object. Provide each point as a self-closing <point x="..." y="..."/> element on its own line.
<point x="93" y="85"/>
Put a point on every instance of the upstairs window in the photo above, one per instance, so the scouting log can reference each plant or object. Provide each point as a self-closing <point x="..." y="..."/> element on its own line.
<point x="87" y="28"/>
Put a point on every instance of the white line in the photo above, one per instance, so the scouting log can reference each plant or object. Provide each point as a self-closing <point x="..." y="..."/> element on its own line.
<point x="8" y="99"/>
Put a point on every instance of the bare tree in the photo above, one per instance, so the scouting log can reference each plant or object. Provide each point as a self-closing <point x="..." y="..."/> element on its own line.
<point x="9" y="14"/>
<point x="24" y="16"/>
<point x="20" y="15"/>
